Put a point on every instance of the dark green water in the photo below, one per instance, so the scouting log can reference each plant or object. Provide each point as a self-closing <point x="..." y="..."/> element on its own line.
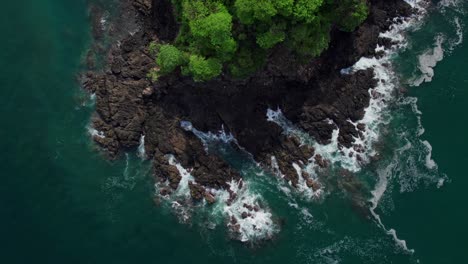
<point x="61" y="202"/>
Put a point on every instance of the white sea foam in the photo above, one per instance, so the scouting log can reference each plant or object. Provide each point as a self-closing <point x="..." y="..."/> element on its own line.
<point x="183" y="187"/>
<point x="95" y="133"/>
<point x="328" y="151"/>
<point x="375" y="115"/>
<point x="440" y="183"/>
<point x="302" y="186"/>
<point x="430" y="163"/>
<point x="459" y="32"/>
<point x="259" y="222"/>
<point x="207" y="137"/>
<point x="104" y="21"/>
<point x="377" y="194"/>
<point x="141" y="147"/>
<point x="253" y="219"/>
<point x="252" y="224"/>
<point x="428" y="60"/>
<point x="453" y="4"/>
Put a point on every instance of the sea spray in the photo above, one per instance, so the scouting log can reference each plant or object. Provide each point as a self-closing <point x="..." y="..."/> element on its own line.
<point x="208" y="137"/>
<point x="246" y="214"/>
<point x="249" y="219"/>
<point x="183" y="187"/>
<point x="95" y="133"/>
<point x="141" y="147"/>
<point x="376" y="115"/>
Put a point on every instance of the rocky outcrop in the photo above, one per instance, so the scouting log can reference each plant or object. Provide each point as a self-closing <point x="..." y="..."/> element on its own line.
<point x="314" y="96"/>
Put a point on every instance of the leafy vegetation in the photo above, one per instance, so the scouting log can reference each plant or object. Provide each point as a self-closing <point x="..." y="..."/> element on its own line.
<point x="237" y="34"/>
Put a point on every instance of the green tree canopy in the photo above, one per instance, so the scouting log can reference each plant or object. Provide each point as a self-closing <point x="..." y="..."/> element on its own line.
<point x="239" y="33"/>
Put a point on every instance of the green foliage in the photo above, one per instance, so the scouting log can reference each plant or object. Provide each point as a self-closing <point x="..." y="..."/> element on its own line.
<point x="273" y="36"/>
<point x="357" y="11"/>
<point x="153" y="48"/>
<point x="169" y="58"/>
<point x="309" y="40"/>
<point x="203" y="69"/>
<point x="240" y="33"/>
<point x="248" y="59"/>
<point x="269" y="39"/>
<point x="213" y="32"/>
<point x="306" y="10"/>
<point x="249" y="11"/>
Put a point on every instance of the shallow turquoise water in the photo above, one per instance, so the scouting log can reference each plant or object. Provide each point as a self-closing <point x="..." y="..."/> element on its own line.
<point x="62" y="202"/>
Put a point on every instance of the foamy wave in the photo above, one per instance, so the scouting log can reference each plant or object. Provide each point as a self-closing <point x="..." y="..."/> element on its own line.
<point x="377" y="194"/>
<point x="180" y="200"/>
<point x="183" y="187"/>
<point x="141" y="147"/>
<point x="430" y="163"/>
<point x="459" y="32"/>
<point x="247" y="216"/>
<point x="375" y="115"/>
<point x="419" y="153"/>
<point x="428" y="60"/>
<point x="208" y="137"/>
<point x="95" y="133"/>
<point x="249" y="219"/>
<point x="457" y="5"/>
<point x="328" y="151"/>
<point x="304" y="188"/>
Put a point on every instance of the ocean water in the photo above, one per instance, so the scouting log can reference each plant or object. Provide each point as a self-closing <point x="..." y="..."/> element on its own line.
<point x="61" y="201"/>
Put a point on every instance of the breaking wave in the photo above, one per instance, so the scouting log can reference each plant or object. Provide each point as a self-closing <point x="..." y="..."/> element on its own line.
<point x="244" y="210"/>
<point x="141" y="147"/>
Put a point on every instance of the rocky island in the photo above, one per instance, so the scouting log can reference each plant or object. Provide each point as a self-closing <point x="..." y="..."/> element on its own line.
<point x="281" y="112"/>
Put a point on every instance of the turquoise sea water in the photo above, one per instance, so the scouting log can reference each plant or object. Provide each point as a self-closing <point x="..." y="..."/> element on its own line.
<point x="62" y="202"/>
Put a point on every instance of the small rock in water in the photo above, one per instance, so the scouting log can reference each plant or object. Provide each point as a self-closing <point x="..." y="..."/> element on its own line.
<point x="249" y="207"/>
<point x="164" y="191"/>
<point x="361" y="126"/>
<point x="196" y="191"/>
<point x="323" y="163"/>
<point x="313" y="184"/>
<point x="210" y="198"/>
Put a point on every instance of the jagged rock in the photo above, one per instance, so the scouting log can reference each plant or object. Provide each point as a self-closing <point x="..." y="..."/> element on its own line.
<point x="164" y="191"/>
<point x="209" y="198"/>
<point x="323" y="163"/>
<point x="314" y="96"/>
<point x="197" y="192"/>
<point x="361" y="126"/>
<point x="313" y="184"/>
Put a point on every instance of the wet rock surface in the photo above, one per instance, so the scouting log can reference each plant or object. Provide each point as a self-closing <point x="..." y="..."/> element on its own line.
<point x="315" y="97"/>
